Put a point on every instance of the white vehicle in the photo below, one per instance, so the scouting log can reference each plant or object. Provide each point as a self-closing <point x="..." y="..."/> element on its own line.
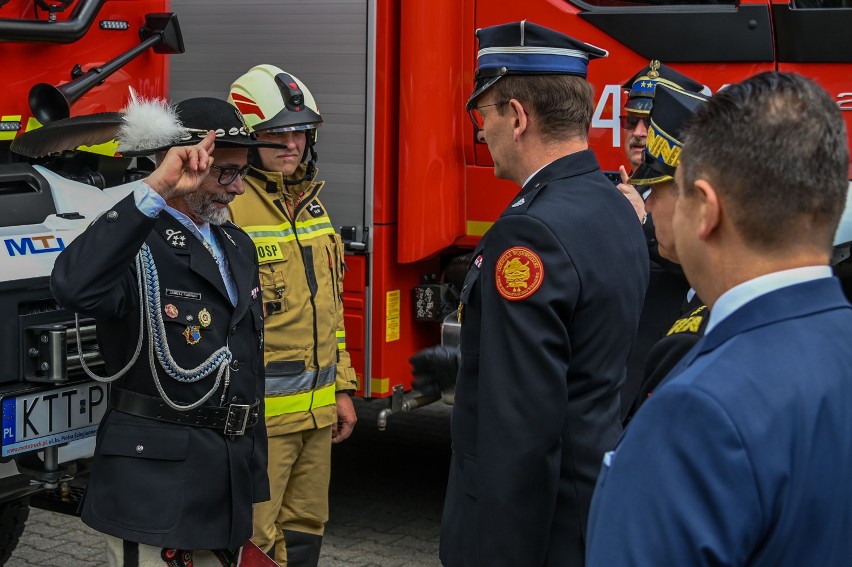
<point x="50" y="408"/>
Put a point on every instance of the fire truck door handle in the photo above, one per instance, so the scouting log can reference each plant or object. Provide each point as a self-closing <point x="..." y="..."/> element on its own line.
<point x="349" y="234"/>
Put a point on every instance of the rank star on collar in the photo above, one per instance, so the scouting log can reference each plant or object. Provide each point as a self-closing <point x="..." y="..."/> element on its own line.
<point x="175" y="238"/>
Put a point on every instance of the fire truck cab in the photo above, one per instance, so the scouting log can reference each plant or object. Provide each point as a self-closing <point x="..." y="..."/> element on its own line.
<point x="409" y="188"/>
<point x="408" y="185"/>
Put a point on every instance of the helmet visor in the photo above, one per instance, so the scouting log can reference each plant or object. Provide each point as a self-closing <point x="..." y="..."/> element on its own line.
<point x="292" y="128"/>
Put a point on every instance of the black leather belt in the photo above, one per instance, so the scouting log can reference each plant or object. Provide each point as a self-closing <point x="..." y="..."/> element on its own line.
<point x="232" y="419"/>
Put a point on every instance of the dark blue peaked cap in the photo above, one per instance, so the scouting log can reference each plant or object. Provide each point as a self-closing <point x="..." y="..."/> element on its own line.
<point x="525" y="48"/>
<point x="642" y="85"/>
<point x="669" y="116"/>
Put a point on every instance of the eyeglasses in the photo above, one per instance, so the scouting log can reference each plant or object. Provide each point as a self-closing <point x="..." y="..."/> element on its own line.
<point x="476" y="116"/>
<point x="228" y="175"/>
<point x="630" y="122"/>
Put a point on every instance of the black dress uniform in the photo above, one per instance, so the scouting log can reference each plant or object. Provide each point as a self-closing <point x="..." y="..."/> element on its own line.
<point x="667" y="285"/>
<point x="671" y="110"/>
<point x="156" y="481"/>
<point x="670" y="349"/>
<point x="551" y="289"/>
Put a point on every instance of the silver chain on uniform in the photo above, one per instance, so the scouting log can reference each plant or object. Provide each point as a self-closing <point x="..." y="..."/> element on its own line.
<point x="149" y="293"/>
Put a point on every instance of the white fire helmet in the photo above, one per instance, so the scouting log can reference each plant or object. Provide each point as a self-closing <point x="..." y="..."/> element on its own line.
<point x="274" y="100"/>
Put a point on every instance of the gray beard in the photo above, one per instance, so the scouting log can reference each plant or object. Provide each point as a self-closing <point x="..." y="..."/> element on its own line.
<point x="202" y="206"/>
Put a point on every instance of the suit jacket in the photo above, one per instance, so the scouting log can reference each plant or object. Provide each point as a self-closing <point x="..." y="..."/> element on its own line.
<point x="742" y="455"/>
<point x="549" y="310"/>
<point x="154" y="482"/>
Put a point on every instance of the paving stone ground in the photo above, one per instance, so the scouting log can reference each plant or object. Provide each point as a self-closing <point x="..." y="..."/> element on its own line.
<point x="387" y="493"/>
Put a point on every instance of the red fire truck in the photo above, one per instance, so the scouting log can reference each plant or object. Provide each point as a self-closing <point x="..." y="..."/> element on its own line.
<point x="408" y="183"/>
<point x="409" y="187"/>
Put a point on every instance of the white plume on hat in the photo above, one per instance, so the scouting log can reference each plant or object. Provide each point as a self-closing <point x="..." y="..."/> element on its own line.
<point x="148" y="123"/>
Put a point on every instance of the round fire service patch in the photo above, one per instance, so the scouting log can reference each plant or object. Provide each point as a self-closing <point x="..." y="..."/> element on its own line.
<point x="519" y="273"/>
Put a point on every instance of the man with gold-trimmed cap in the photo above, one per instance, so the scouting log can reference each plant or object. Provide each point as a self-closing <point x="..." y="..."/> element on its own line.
<point x="640" y="99"/>
<point x="634" y="122"/>
<point x="667" y="286"/>
<point x="672" y="108"/>
<point x="551" y="288"/>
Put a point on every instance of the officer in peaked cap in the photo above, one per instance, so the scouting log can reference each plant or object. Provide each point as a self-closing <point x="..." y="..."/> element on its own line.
<point x="173" y="287"/>
<point x="668" y="286"/>
<point x="634" y="122"/>
<point x="548" y="311"/>
<point x="672" y="108"/>
<point x="670" y="113"/>
<point x="525" y="48"/>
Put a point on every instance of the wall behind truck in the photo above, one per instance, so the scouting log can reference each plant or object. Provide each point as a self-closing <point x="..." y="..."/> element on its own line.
<point x="322" y="42"/>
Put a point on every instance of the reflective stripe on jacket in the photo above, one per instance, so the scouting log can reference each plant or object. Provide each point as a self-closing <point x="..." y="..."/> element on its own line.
<point x="301" y="280"/>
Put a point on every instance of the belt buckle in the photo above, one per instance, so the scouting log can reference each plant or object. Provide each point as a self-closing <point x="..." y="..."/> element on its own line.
<point x="234" y="418"/>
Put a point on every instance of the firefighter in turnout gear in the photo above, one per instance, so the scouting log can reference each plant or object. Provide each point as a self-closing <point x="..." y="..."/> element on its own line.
<point x="309" y="377"/>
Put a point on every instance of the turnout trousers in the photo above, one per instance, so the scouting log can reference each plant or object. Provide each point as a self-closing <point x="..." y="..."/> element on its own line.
<point x="299" y="474"/>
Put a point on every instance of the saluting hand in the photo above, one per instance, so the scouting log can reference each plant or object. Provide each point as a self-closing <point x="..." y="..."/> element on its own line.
<point x="631" y="193"/>
<point x="183" y="169"/>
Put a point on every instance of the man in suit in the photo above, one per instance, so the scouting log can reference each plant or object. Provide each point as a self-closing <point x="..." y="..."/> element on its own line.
<point x="742" y="455"/>
<point x="548" y="311"/>
<point x="173" y="287"/>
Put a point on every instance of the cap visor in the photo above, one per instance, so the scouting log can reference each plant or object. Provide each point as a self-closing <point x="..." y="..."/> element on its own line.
<point x="647" y="175"/>
<point x="639" y="105"/>
<point x="480" y="87"/>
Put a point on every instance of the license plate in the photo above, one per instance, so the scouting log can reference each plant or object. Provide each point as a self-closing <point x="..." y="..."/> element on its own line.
<point x="51" y="417"/>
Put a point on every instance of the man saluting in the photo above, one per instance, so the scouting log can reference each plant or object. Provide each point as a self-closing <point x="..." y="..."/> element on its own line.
<point x="173" y="287"/>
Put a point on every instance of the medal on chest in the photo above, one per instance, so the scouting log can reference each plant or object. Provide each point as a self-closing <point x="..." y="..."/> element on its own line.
<point x="192" y="333"/>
